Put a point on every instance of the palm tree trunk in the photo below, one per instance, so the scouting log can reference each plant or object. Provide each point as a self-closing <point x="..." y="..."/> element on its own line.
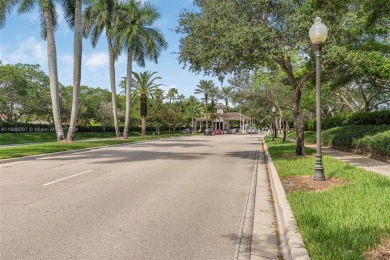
<point x="143" y="126"/>
<point x="113" y="87"/>
<point x="128" y="92"/>
<point x="207" y="120"/>
<point x="53" y="75"/>
<point x="144" y="112"/>
<point x="193" y="125"/>
<point x="77" y="56"/>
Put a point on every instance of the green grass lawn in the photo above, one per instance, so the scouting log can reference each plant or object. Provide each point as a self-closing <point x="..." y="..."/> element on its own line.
<point x="310" y="136"/>
<point x="342" y="222"/>
<point x="22" y="138"/>
<point x="34" y="146"/>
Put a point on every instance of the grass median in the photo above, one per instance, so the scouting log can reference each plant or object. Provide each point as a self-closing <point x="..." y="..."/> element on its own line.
<point x="52" y="147"/>
<point x="342" y="222"/>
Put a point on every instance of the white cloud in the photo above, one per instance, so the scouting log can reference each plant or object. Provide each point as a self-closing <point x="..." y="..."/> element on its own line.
<point x="29" y="51"/>
<point x="96" y="60"/>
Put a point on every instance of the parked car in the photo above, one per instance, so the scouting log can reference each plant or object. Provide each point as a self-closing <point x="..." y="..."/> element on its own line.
<point x="186" y="131"/>
<point x="225" y="131"/>
<point x="208" y="131"/>
<point x="217" y="132"/>
<point x="252" y="130"/>
<point x="233" y="130"/>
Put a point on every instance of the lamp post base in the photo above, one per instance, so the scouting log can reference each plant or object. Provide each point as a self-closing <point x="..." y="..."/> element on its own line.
<point x="319" y="169"/>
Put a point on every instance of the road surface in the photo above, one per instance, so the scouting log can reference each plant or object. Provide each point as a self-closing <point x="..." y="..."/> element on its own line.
<point x="178" y="198"/>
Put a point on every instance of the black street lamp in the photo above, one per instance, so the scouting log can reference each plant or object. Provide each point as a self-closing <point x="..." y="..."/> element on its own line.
<point x="317" y="34"/>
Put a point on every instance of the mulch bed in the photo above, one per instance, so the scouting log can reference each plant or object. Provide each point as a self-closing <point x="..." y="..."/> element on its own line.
<point x="306" y="183"/>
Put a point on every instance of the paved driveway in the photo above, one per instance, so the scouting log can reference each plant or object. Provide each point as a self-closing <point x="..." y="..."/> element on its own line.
<point x="179" y="198"/>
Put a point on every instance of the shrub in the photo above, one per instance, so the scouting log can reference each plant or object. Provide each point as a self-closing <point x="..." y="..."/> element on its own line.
<point x="376" y="144"/>
<point x="365" y="138"/>
<point x="347" y="119"/>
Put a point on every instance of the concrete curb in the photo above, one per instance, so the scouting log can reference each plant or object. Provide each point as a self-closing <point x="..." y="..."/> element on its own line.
<point x="291" y="242"/>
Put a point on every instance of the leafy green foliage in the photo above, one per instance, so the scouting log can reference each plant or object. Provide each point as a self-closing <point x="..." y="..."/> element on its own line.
<point x="347" y="119"/>
<point x="378" y="143"/>
<point x="346" y="137"/>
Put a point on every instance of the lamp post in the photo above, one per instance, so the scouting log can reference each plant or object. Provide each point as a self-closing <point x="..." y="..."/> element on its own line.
<point x="317" y="34"/>
<point x="273" y="110"/>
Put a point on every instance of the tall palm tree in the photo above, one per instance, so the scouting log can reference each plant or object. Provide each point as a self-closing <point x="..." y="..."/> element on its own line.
<point x="226" y="94"/>
<point x="214" y="96"/>
<point x="145" y="87"/>
<point x="77" y="56"/>
<point x="194" y="110"/>
<point x="98" y="16"/>
<point x="49" y="24"/>
<point x="180" y="98"/>
<point x="171" y="94"/>
<point x="139" y="39"/>
<point x="204" y="88"/>
<point x="191" y="100"/>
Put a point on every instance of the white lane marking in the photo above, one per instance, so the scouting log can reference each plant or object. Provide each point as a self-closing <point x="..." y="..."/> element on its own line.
<point x="66" y="178"/>
<point x="5" y="165"/>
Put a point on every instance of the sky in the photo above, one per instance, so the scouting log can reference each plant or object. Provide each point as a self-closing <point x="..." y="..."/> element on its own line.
<point x="20" y="42"/>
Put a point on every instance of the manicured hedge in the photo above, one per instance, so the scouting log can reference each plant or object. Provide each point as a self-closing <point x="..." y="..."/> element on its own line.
<point x="346" y="119"/>
<point x="378" y="143"/>
<point x="363" y="138"/>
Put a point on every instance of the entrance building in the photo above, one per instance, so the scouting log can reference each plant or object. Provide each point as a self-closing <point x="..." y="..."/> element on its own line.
<point x="224" y="120"/>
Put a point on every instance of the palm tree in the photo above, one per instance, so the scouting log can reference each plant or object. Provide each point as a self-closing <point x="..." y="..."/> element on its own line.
<point x="227" y="94"/>
<point x="77" y="56"/>
<point x="204" y="87"/>
<point x="49" y="24"/>
<point x="159" y="96"/>
<point x="103" y="15"/>
<point x="194" y="110"/>
<point x="180" y="98"/>
<point x="144" y="88"/>
<point x="5" y="8"/>
<point x="171" y="94"/>
<point x="214" y="96"/>
<point x="140" y="40"/>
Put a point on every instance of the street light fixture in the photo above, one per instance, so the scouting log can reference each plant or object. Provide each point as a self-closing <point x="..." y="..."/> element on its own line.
<point x="318" y="33"/>
<point x="273" y="109"/>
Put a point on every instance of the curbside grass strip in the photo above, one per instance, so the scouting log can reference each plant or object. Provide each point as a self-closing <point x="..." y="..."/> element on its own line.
<point x="291" y="242"/>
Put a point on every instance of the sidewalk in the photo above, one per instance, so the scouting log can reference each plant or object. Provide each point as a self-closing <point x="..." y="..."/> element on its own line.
<point x="357" y="160"/>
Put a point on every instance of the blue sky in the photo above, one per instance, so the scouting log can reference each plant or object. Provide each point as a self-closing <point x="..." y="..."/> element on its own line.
<point x="20" y="42"/>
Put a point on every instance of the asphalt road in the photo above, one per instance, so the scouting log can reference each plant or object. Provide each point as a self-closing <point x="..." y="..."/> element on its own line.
<point x="179" y="198"/>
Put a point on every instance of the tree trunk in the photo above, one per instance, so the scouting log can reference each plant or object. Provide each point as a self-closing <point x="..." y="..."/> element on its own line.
<point x="77" y="56"/>
<point x="296" y="86"/>
<point x="144" y="112"/>
<point x="299" y="126"/>
<point x="207" y="120"/>
<point x="193" y="125"/>
<point x="53" y="75"/>
<point x="113" y="86"/>
<point x="143" y="126"/>
<point x="128" y="92"/>
<point x="276" y="127"/>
